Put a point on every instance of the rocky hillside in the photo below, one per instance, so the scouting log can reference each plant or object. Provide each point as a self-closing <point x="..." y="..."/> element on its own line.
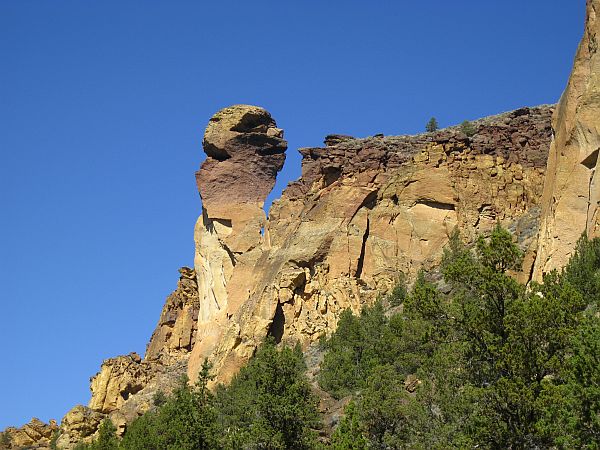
<point x="363" y="212"/>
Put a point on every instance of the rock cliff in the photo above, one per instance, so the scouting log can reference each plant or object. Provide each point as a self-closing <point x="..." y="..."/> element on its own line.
<point x="571" y="198"/>
<point x="363" y="211"/>
<point x="33" y="435"/>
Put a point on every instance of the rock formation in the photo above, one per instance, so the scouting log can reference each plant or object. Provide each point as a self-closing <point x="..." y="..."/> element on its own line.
<point x="245" y="151"/>
<point x="175" y="333"/>
<point x="570" y="203"/>
<point x="126" y="385"/>
<point x="363" y="211"/>
<point x="34" y="435"/>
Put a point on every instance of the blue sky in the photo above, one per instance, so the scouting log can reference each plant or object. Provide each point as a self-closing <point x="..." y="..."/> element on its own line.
<point x="102" y="110"/>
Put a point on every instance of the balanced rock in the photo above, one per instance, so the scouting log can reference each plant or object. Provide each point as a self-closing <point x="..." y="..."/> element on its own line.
<point x="363" y="211"/>
<point x="245" y="151"/>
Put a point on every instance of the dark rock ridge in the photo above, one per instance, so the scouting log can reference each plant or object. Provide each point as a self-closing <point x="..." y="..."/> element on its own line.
<point x="517" y="136"/>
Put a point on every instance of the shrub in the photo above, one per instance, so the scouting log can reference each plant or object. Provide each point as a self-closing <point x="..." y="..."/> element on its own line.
<point x="468" y="128"/>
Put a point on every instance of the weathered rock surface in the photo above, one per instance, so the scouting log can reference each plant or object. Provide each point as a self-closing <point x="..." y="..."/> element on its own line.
<point x="118" y="379"/>
<point x="126" y="385"/>
<point x="80" y="424"/>
<point x="35" y="435"/>
<point x="175" y="333"/>
<point x="245" y="151"/>
<point x="572" y="190"/>
<point x="363" y="211"/>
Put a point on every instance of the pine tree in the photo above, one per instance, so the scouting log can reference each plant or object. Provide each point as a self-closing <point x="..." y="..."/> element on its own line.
<point x="432" y="125"/>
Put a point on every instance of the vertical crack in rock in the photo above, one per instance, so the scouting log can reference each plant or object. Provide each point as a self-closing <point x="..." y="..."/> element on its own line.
<point x="361" y="257"/>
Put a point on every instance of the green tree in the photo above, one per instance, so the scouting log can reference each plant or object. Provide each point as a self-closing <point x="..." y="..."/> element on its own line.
<point x="583" y="272"/>
<point x="106" y="440"/>
<point x="382" y="409"/>
<point x="432" y="125"/>
<point x="358" y="346"/>
<point x="348" y="435"/>
<point x="187" y="420"/>
<point x="399" y="293"/>
<point x="498" y="365"/>
<point x="269" y="403"/>
<point x="569" y="404"/>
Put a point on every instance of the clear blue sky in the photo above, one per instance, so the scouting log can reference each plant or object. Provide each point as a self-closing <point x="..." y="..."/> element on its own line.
<point x="102" y="110"/>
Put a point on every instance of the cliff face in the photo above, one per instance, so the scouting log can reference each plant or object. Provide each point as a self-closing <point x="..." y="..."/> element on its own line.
<point x="572" y="191"/>
<point x="363" y="211"/>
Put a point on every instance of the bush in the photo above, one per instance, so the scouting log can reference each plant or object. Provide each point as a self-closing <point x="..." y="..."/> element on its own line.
<point x="358" y="346"/>
<point x="186" y="420"/>
<point x="468" y="128"/>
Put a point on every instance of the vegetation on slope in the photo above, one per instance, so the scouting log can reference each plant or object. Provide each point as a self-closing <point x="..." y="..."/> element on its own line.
<point x="488" y="364"/>
<point x="269" y="405"/>
<point x="498" y="365"/>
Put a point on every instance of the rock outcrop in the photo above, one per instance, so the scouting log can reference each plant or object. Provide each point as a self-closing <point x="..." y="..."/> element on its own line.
<point x="125" y="386"/>
<point x="118" y="378"/>
<point x="33" y="435"/>
<point x="571" y="199"/>
<point x="363" y="211"/>
<point x="175" y="333"/>
<point x="245" y="151"/>
<point x="80" y="424"/>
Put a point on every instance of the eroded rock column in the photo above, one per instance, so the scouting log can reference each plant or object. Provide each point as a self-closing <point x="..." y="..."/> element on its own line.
<point x="245" y="150"/>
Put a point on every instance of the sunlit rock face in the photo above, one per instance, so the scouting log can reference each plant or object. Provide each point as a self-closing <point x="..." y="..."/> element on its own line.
<point x="245" y="150"/>
<point x="175" y="333"/>
<point x="363" y="211"/>
<point x="571" y="197"/>
<point x="33" y="435"/>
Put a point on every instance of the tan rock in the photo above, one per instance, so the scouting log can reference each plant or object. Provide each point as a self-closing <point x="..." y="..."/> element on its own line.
<point x="33" y="435"/>
<point x="364" y="210"/>
<point x="80" y="424"/>
<point x="572" y="191"/>
<point x="175" y="333"/>
<point x="118" y="379"/>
